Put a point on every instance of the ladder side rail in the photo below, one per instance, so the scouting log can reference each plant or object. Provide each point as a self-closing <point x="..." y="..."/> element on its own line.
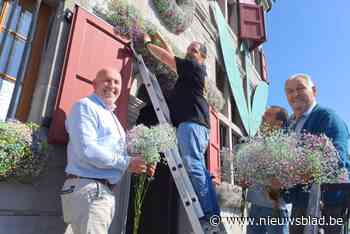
<point x="184" y="185"/>
<point x="313" y="208"/>
<point x="175" y="157"/>
<point x="188" y="183"/>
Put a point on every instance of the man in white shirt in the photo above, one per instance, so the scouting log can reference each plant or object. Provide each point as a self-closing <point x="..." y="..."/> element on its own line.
<point x="97" y="157"/>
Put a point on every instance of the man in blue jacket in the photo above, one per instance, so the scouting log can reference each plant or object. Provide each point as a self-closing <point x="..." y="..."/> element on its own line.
<point x="310" y="117"/>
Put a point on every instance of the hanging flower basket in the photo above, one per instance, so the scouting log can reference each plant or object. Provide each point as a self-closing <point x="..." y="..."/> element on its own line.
<point x="23" y="151"/>
<point x="177" y="15"/>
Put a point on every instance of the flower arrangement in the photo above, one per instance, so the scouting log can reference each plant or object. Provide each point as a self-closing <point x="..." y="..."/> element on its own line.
<point x="149" y="142"/>
<point x="23" y="151"/>
<point x="128" y="21"/>
<point x="287" y="159"/>
<point x="176" y="16"/>
<point x="275" y="160"/>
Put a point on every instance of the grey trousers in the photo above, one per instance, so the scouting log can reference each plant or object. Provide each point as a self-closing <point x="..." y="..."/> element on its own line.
<point x="88" y="206"/>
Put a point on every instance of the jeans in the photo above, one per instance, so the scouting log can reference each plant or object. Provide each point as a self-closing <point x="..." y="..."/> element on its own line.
<point x="88" y="206"/>
<point x="193" y="141"/>
<point x="261" y="214"/>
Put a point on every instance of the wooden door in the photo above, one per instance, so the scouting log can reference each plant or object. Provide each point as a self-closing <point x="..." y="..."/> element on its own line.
<point x="213" y="160"/>
<point x="93" y="45"/>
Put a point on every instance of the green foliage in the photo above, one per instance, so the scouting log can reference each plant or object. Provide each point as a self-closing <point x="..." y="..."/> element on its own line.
<point x="23" y="151"/>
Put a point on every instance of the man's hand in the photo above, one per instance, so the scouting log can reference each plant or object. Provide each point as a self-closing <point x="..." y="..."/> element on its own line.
<point x="137" y="165"/>
<point x="151" y="169"/>
<point x="164" y="55"/>
<point x="158" y="37"/>
<point x="146" y="38"/>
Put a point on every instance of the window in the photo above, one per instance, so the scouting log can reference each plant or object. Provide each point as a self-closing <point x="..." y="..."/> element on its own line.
<point x="259" y="61"/>
<point x="223" y="7"/>
<point x="256" y="60"/>
<point x="252" y="25"/>
<point x="15" y="24"/>
<point x="228" y="130"/>
<point x="233" y="16"/>
<point x="230" y="12"/>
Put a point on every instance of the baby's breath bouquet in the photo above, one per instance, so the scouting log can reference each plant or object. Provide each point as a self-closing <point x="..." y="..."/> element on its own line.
<point x="279" y="160"/>
<point x="289" y="158"/>
<point x="23" y="151"/>
<point x="148" y="142"/>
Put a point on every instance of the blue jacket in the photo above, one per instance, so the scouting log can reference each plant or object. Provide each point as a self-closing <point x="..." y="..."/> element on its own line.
<point x="326" y="121"/>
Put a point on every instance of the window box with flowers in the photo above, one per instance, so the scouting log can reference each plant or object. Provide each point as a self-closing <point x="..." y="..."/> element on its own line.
<point x="23" y="152"/>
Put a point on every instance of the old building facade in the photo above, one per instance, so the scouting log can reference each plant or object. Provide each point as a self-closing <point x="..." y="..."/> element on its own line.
<point x="35" y="47"/>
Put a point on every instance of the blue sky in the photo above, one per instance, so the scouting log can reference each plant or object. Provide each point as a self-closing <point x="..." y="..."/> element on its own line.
<point x="313" y="37"/>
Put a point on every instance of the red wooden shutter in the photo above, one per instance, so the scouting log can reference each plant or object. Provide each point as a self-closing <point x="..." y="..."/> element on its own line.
<point x="263" y="67"/>
<point x="214" y="147"/>
<point x="92" y="45"/>
<point x="252" y="25"/>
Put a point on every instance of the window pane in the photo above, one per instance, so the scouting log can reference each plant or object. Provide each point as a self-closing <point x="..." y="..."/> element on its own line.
<point x="16" y="58"/>
<point x="6" y="90"/>
<point x="8" y="12"/>
<point x="24" y="23"/>
<point x="15" y="18"/>
<point x="1" y="36"/>
<point x="5" y="52"/>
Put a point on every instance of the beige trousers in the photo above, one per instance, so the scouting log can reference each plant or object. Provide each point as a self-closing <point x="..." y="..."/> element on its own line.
<point x="88" y="206"/>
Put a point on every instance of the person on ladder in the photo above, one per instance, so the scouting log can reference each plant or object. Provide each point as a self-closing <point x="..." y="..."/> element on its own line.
<point x="189" y="111"/>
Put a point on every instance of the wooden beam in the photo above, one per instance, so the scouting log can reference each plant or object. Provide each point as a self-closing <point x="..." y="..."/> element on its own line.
<point x="7" y="77"/>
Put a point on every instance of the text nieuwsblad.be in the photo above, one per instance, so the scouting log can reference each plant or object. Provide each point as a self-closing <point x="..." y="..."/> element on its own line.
<point x="323" y="221"/>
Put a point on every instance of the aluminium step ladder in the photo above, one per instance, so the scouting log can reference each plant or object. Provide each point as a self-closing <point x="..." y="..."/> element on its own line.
<point x="187" y="194"/>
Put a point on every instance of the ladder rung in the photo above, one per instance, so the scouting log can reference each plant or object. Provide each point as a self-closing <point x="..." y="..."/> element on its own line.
<point x="175" y="163"/>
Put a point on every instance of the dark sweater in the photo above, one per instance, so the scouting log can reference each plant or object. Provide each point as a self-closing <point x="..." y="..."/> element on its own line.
<point x="324" y="121"/>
